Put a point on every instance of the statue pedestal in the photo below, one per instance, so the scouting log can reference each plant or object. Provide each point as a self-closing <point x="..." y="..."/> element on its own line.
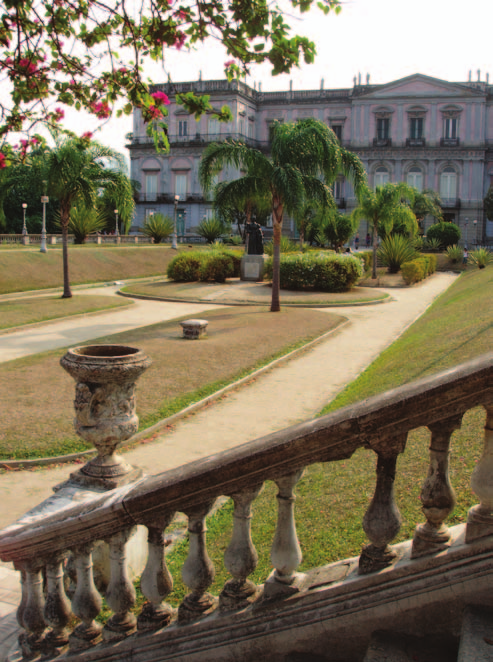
<point x="252" y="267"/>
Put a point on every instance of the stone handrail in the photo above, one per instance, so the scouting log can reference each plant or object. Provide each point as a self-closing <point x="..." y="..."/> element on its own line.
<point x="380" y="423"/>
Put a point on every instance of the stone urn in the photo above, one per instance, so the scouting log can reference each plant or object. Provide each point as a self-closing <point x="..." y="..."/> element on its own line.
<point x="104" y="405"/>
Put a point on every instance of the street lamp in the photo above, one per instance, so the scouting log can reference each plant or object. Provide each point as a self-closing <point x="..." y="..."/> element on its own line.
<point x="44" y="200"/>
<point x="173" y="243"/>
<point x="466" y="223"/>
<point x="116" y="224"/>
<point x="475" y="223"/>
<point x="24" y="229"/>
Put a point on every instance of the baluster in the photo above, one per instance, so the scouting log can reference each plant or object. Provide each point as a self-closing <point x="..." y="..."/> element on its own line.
<point x="22" y="606"/>
<point x="57" y="610"/>
<point x="156" y="581"/>
<point x="86" y="602"/>
<point x="121" y="592"/>
<point x="437" y="495"/>
<point x="286" y="551"/>
<point x="382" y="520"/>
<point x="480" y="517"/>
<point x="241" y="556"/>
<point x="31" y="641"/>
<point x="197" y="571"/>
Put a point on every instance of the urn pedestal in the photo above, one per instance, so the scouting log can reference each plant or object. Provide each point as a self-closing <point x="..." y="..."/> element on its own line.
<point x="104" y="405"/>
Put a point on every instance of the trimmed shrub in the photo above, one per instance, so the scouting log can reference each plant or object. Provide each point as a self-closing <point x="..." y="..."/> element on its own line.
<point x="394" y="251"/>
<point x="216" y="266"/>
<point x="185" y="266"/>
<point x="420" y="268"/>
<point x="432" y="246"/>
<point x="158" y="227"/>
<point x="447" y="234"/>
<point x="211" y="229"/>
<point x="317" y="271"/>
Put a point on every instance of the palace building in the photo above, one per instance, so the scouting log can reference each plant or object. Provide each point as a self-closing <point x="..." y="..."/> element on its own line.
<point x="428" y="132"/>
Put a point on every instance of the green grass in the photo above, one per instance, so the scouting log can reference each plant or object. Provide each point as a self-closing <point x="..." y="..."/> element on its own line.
<point x="332" y="498"/>
<point x="28" y="311"/>
<point x="38" y="393"/>
<point x="21" y="271"/>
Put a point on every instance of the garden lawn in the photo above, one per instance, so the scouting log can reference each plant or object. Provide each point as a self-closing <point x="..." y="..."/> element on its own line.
<point x="38" y="394"/>
<point x="250" y="293"/>
<point x="332" y="498"/>
<point x="31" y="270"/>
<point x="40" y="309"/>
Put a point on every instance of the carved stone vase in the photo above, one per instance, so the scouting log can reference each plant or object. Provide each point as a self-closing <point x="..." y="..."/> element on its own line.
<point x="104" y="405"/>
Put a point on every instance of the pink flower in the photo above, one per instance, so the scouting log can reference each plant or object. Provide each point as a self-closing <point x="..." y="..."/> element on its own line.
<point x="182" y="14"/>
<point x="58" y="115"/>
<point x="2" y="161"/>
<point x="9" y="61"/>
<point x="101" y="109"/>
<point x="229" y="63"/>
<point x="24" y="143"/>
<point x="122" y="70"/>
<point x="59" y="65"/>
<point x="87" y="135"/>
<point x="160" y="98"/>
<point x="154" y="113"/>
<point x="180" y="40"/>
<point x="34" y="141"/>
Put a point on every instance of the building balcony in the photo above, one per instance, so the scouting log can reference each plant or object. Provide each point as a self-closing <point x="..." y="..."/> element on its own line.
<point x="415" y="142"/>
<point x="450" y="203"/>
<point x="382" y="142"/>
<point x="449" y="142"/>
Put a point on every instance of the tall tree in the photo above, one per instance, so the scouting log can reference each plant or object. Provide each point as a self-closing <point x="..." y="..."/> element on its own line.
<point x="382" y="208"/>
<point x="119" y="196"/>
<point x="305" y="158"/>
<point x="427" y="203"/>
<point x="75" y="171"/>
<point x="92" y="55"/>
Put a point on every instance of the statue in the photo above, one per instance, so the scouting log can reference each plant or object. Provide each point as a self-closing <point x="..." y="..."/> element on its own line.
<point x="255" y="238"/>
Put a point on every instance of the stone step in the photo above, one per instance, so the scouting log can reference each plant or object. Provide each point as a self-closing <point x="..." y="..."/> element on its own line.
<point x="476" y="642"/>
<point x="395" y="647"/>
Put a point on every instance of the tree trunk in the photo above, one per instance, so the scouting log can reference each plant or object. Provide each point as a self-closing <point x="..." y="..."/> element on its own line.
<point x="375" y="246"/>
<point x="275" y="306"/>
<point x="64" y="217"/>
<point x="302" y="235"/>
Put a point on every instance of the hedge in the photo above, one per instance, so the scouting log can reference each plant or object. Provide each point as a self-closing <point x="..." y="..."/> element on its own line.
<point x="317" y="271"/>
<point x="418" y="269"/>
<point x="216" y="264"/>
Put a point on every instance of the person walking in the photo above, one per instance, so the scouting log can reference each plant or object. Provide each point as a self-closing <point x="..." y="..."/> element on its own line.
<point x="465" y="256"/>
<point x="356" y="242"/>
<point x="368" y="240"/>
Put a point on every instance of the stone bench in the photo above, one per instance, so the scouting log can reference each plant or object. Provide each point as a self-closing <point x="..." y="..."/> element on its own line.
<point x="193" y="329"/>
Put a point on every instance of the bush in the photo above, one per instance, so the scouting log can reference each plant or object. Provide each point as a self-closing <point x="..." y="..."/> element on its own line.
<point x="480" y="257"/>
<point x="317" y="271"/>
<point x="233" y="240"/>
<point x="432" y="246"/>
<point x="185" y="266"/>
<point x="420" y="268"/>
<point x="447" y="234"/>
<point x="367" y="258"/>
<point x="394" y="251"/>
<point x="215" y="264"/>
<point x="454" y="253"/>
<point x="83" y="221"/>
<point x="211" y="229"/>
<point x="158" y="227"/>
<point x="287" y="246"/>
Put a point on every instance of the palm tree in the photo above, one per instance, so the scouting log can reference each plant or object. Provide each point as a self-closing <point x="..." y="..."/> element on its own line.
<point x="75" y="172"/>
<point x="427" y="203"/>
<point x="303" y="154"/>
<point x="382" y="208"/>
<point x="121" y="196"/>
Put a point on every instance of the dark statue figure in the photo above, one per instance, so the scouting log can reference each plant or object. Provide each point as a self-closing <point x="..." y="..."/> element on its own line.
<point x="255" y="238"/>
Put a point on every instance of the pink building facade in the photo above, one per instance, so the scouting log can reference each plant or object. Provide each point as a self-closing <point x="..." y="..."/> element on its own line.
<point x="428" y="132"/>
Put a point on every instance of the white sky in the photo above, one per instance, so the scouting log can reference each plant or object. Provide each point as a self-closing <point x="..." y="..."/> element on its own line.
<point x="388" y="39"/>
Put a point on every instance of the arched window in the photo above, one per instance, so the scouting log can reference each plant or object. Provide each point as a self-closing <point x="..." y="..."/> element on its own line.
<point x="415" y="178"/>
<point x="381" y="176"/>
<point x="448" y="184"/>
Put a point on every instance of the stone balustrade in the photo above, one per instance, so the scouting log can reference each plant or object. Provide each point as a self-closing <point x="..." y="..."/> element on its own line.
<point x="40" y="547"/>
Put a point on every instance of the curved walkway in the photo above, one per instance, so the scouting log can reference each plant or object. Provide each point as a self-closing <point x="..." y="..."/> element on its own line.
<point x="284" y="396"/>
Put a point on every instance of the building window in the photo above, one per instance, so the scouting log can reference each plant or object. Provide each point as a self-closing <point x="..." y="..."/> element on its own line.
<point x="150" y="186"/>
<point x="181" y="182"/>
<point x="272" y="124"/>
<point x="448" y="184"/>
<point x="209" y="214"/>
<point x="183" y="128"/>
<point x="415" y="178"/>
<point x="416" y="128"/>
<point x="241" y="126"/>
<point x="381" y="177"/>
<point x="339" y="189"/>
<point x="450" y="127"/>
<point x="383" y="128"/>
<point x="214" y="128"/>
<point x="337" y="129"/>
<point x="250" y="129"/>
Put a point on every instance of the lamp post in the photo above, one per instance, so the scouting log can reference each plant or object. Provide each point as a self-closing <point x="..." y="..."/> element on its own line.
<point x="173" y="243"/>
<point x="117" y="233"/>
<point x="24" y="229"/>
<point x="44" y="200"/>
<point x="466" y="223"/>
<point x="475" y="223"/>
